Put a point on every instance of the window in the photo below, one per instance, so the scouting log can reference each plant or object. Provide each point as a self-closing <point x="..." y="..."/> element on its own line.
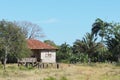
<point x="48" y="55"/>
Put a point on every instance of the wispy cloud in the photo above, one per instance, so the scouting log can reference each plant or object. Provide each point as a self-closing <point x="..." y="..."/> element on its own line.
<point x="50" y="21"/>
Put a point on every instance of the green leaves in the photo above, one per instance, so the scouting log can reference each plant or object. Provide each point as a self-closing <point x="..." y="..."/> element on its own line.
<point x="100" y="28"/>
<point x="11" y="36"/>
<point x="64" y="52"/>
<point x="110" y="35"/>
<point x="113" y="45"/>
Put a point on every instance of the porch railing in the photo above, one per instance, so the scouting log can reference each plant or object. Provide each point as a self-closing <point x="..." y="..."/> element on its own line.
<point x="27" y="60"/>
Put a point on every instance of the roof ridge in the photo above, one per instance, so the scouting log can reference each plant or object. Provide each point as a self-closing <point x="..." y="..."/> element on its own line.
<point x="37" y="44"/>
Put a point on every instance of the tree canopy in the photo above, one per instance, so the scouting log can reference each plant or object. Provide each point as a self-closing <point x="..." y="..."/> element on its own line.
<point x="30" y="30"/>
<point x="12" y="41"/>
<point x="91" y="48"/>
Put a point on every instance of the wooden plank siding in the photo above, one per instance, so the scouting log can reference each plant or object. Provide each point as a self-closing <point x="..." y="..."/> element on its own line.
<point x="25" y="60"/>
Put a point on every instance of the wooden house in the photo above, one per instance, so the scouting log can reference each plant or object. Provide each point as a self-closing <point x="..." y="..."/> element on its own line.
<point x="41" y="51"/>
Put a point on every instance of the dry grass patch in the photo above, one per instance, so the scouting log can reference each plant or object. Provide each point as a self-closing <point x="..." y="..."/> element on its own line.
<point x="66" y="71"/>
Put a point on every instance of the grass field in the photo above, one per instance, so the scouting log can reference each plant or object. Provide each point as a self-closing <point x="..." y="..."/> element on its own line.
<point x="101" y="71"/>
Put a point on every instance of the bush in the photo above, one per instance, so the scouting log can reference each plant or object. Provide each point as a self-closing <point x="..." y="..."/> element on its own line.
<point x="63" y="78"/>
<point x="79" y="57"/>
<point x="26" y="68"/>
<point x="11" y="58"/>
<point x="1" y="66"/>
<point x="118" y="64"/>
<point x="64" y="61"/>
<point x="50" y="78"/>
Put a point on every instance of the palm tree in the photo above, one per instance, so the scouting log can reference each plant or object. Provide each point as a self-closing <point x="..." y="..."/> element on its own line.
<point x="64" y="52"/>
<point x="99" y="28"/>
<point x="85" y="45"/>
<point x="78" y="46"/>
<point x="88" y="46"/>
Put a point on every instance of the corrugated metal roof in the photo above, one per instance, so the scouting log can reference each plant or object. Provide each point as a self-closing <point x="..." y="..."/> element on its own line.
<point x="36" y="44"/>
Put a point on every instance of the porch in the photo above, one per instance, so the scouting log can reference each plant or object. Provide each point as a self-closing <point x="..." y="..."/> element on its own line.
<point x="34" y="63"/>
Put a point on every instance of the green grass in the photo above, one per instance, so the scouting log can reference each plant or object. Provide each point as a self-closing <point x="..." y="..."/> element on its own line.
<point x="52" y="78"/>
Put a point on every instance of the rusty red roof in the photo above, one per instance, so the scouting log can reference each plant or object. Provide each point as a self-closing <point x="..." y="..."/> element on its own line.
<point x="36" y="44"/>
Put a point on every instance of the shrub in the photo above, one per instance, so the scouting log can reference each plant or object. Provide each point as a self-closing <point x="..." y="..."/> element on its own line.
<point x="26" y="68"/>
<point x="63" y="78"/>
<point x="1" y="66"/>
<point x="50" y="78"/>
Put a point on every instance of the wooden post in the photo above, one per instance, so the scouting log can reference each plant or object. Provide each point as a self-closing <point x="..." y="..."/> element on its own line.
<point x="38" y="65"/>
<point x="47" y="65"/>
<point x="43" y="65"/>
<point x="18" y="64"/>
<point x="27" y="64"/>
<point x="57" y="66"/>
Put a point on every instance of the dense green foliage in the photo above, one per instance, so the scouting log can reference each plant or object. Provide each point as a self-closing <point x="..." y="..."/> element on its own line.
<point x="90" y="49"/>
<point x="64" y="52"/>
<point x="113" y="42"/>
<point x="12" y="42"/>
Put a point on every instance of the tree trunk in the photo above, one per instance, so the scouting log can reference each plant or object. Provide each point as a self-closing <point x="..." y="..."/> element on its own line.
<point x="5" y="59"/>
<point x="89" y="60"/>
<point x="102" y="39"/>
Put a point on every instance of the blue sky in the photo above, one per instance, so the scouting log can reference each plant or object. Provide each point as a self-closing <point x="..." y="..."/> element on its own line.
<point x="61" y="20"/>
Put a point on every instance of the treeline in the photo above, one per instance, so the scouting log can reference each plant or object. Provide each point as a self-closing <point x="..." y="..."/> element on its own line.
<point x="102" y="44"/>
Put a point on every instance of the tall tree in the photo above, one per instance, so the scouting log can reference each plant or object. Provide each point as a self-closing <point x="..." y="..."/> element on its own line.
<point x="109" y="33"/>
<point x="89" y="43"/>
<point x="31" y="30"/>
<point x="113" y="41"/>
<point x="87" y="46"/>
<point x="12" y="40"/>
<point x="99" y="27"/>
